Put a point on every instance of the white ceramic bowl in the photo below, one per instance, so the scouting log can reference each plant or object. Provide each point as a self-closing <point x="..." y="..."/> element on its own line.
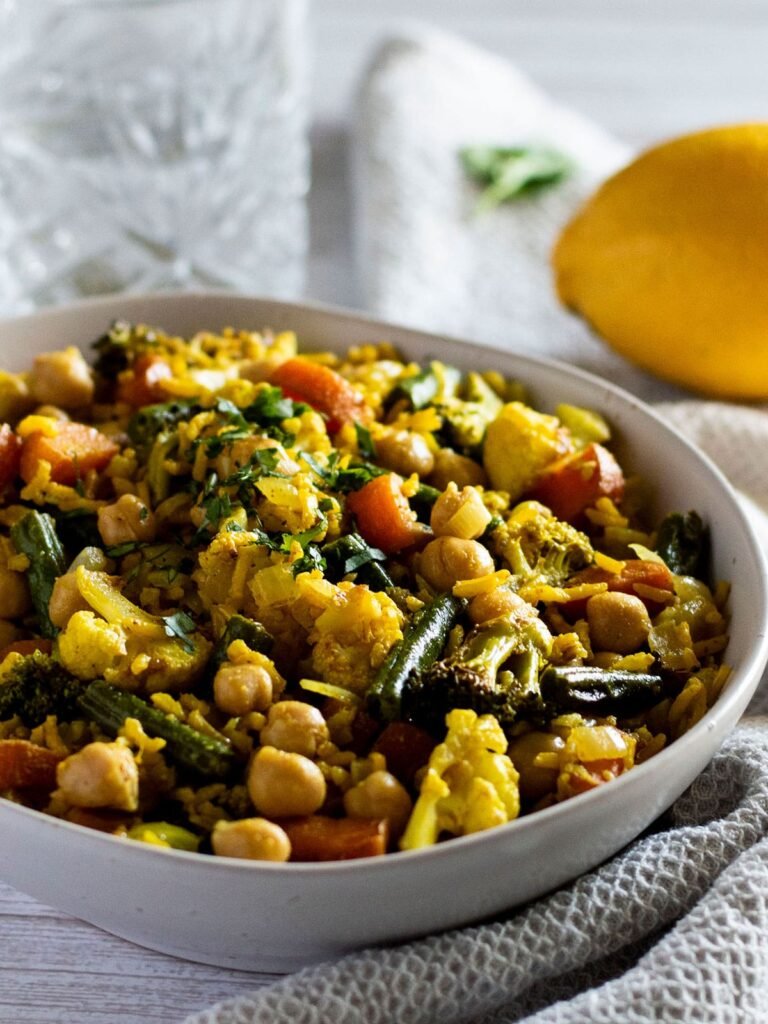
<point x="276" y="917"/>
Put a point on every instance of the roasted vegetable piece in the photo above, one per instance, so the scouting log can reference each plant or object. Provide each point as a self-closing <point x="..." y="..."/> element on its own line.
<point x="422" y="643"/>
<point x="71" y="449"/>
<point x="323" y="389"/>
<point x="25" y="765"/>
<point x="384" y="517"/>
<point x="596" y="691"/>
<point x="471" y="677"/>
<point x="317" y="837"/>
<point x="238" y="627"/>
<point x="540" y="548"/>
<point x="36" y="686"/>
<point x="683" y="542"/>
<point x="406" y="748"/>
<point x="127" y="645"/>
<point x="35" y="536"/>
<point x="638" y="576"/>
<point x="466" y="419"/>
<point x="519" y="445"/>
<point x="142" y="384"/>
<point x="187" y="748"/>
<point x="152" y="420"/>
<point x="577" y="481"/>
<point x="470" y="783"/>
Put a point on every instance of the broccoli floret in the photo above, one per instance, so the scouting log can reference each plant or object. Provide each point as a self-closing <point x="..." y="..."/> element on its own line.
<point x="37" y="686"/>
<point x="539" y="548"/>
<point x="467" y="418"/>
<point x="119" y="346"/>
<point x="472" y="677"/>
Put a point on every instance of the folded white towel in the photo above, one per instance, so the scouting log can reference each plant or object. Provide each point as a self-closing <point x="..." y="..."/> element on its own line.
<point x="426" y="256"/>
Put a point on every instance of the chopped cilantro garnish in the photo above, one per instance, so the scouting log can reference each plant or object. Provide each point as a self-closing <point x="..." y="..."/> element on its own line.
<point x="365" y="442"/>
<point x="180" y="625"/>
<point x="271" y="407"/>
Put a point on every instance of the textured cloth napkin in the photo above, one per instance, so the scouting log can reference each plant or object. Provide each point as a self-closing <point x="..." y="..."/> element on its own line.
<point x="675" y="927"/>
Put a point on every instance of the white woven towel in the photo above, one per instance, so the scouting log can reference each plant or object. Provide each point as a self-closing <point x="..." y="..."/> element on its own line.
<point x="675" y="928"/>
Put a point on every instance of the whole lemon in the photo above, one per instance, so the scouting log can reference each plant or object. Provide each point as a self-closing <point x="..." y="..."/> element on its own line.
<point x="668" y="261"/>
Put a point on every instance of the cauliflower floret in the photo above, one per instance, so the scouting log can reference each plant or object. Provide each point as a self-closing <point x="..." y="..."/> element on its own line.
<point x="227" y="563"/>
<point x="127" y="647"/>
<point x="519" y="444"/>
<point x="470" y="783"/>
<point x="353" y="636"/>
<point x="290" y="505"/>
<point x="90" y="648"/>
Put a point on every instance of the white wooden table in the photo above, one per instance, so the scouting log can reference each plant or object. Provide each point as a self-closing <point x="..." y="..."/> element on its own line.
<point x="644" y="68"/>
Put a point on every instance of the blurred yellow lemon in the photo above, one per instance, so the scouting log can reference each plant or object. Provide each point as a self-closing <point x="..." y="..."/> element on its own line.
<point x="668" y="261"/>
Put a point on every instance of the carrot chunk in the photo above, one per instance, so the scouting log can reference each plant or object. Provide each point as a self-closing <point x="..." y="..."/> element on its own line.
<point x="406" y="748"/>
<point x="384" y="517"/>
<point x="318" y="837"/>
<point x="142" y="384"/>
<point x="323" y="389"/>
<point x="636" y="572"/>
<point x="72" y="451"/>
<point x="575" y="482"/>
<point x="24" y="765"/>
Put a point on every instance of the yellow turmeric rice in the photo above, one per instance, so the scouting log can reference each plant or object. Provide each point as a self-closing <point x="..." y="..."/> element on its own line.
<point x="282" y="606"/>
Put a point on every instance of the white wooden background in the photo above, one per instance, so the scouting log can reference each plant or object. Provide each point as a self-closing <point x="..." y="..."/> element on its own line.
<point x="644" y="68"/>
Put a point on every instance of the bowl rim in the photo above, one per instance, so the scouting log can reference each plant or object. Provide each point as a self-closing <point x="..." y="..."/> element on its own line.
<point x="733" y="694"/>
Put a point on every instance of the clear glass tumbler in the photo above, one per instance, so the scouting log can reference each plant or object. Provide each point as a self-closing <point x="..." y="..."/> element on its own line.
<point x="151" y="144"/>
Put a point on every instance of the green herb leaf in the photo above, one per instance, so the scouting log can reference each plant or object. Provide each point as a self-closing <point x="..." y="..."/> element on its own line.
<point x="365" y="442"/>
<point x="179" y="625"/>
<point x="118" y="550"/>
<point x="509" y="172"/>
<point x="271" y="407"/>
<point x="312" y="559"/>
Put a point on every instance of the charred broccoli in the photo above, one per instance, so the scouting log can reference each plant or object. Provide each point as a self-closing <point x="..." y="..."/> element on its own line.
<point x="466" y="419"/>
<point x="37" y="686"/>
<point x="472" y="677"/>
<point x="539" y="548"/>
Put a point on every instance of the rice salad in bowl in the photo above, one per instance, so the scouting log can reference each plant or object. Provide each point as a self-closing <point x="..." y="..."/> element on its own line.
<point x="267" y="602"/>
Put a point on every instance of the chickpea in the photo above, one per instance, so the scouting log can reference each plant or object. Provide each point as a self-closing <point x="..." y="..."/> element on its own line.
<point x="535" y="782"/>
<point x="240" y="689"/>
<point x="296" y="727"/>
<point x="65" y="600"/>
<point x="62" y="379"/>
<point x="380" y="795"/>
<point x="405" y="452"/>
<point x="446" y="560"/>
<point x="128" y="519"/>
<point x="282" y="784"/>
<point x="497" y="604"/>
<point x="617" y="622"/>
<point x="252" y="839"/>
<point x="14" y="594"/>
<point x="459" y="513"/>
<point x="463" y="471"/>
<point x="100" y="775"/>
